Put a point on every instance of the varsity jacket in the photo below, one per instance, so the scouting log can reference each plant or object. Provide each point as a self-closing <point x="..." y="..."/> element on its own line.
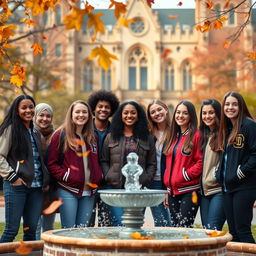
<point x="239" y="170"/>
<point x="12" y="168"/>
<point x="182" y="173"/>
<point x="70" y="174"/>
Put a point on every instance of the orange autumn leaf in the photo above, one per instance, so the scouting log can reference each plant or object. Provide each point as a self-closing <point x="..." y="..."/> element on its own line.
<point x="120" y="8"/>
<point x="18" y="75"/>
<point x="104" y="57"/>
<point x="83" y="154"/>
<point x="218" y="24"/>
<point x="227" y="44"/>
<point x="251" y="55"/>
<point x="92" y="185"/>
<point x="74" y="20"/>
<point x="209" y="4"/>
<point x="6" y="32"/>
<point x="88" y="8"/>
<point x="94" y="21"/>
<point x="125" y="22"/>
<point x="180" y="4"/>
<point x="185" y="237"/>
<point x="246" y="15"/>
<point x="165" y="53"/>
<point x="98" y="237"/>
<point x="7" y="45"/>
<point x="38" y="49"/>
<point x="23" y="249"/>
<point x="194" y="197"/>
<point x="150" y="2"/>
<point x="53" y="207"/>
<point x="78" y="142"/>
<point x="29" y="22"/>
<point x="21" y="161"/>
<point x="138" y="236"/>
<point x="25" y="228"/>
<point x="44" y="37"/>
<point x="206" y="27"/>
<point x="216" y="233"/>
<point x="173" y="16"/>
<point x="227" y="4"/>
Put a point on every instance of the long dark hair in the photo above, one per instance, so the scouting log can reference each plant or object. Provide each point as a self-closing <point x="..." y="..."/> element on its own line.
<point x="175" y="128"/>
<point x="225" y="122"/>
<point x="140" y="130"/>
<point x="205" y="130"/>
<point x="19" y="129"/>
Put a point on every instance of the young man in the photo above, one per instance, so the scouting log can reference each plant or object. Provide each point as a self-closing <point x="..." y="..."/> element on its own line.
<point x="103" y="104"/>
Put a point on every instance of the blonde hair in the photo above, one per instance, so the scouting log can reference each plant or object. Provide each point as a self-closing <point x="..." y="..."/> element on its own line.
<point x="70" y="128"/>
<point x="153" y="126"/>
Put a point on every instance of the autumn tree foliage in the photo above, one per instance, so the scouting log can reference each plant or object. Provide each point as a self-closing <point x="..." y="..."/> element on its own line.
<point x="219" y="70"/>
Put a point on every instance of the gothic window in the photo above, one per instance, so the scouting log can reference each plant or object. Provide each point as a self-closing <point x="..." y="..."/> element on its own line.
<point x="217" y="10"/>
<point x="58" y="15"/>
<point x="138" y="69"/>
<point x="187" y="76"/>
<point x="169" y="76"/>
<point x="231" y="18"/>
<point x="138" y="26"/>
<point x="87" y="76"/>
<point x="106" y="79"/>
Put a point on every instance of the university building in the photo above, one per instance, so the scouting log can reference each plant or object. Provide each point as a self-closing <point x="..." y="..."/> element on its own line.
<point x="140" y="73"/>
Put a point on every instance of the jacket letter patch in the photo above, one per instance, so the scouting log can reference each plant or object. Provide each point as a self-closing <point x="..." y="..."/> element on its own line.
<point x="239" y="141"/>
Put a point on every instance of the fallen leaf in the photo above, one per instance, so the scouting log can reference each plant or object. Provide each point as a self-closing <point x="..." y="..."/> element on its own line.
<point x="138" y="236"/>
<point x="92" y="185"/>
<point x="26" y="228"/>
<point x="185" y="237"/>
<point x="216" y="233"/>
<point x="194" y="197"/>
<point x="21" y="161"/>
<point x="98" y="237"/>
<point x="53" y="207"/>
<point x="23" y="249"/>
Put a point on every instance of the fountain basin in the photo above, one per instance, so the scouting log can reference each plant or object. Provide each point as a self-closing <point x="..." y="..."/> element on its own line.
<point x="62" y="244"/>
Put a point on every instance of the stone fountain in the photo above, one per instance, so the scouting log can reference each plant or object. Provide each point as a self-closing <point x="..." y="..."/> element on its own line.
<point x="120" y="240"/>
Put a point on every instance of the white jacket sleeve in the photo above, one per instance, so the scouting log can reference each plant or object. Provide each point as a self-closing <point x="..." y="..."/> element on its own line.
<point x="5" y="145"/>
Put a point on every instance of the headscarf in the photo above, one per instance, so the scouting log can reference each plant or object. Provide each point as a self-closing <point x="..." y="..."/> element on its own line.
<point x="41" y="107"/>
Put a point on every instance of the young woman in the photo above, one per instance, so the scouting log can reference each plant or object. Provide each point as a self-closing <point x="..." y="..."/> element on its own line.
<point x="43" y="123"/>
<point x="22" y="168"/>
<point x="73" y="162"/>
<point x="211" y="207"/>
<point x="237" y="170"/>
<point x="183" y="166"/>
<point x="129" y="133"/>
<point x="159" y="125"/>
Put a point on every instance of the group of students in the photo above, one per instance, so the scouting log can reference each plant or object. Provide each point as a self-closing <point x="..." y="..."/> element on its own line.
<point x="213" y="166"/>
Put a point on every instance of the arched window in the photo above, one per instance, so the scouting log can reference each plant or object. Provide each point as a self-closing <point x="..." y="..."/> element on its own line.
<point x="58" y="15"/>
<point x="169" y="76"/>
<point x="231" y="18"/>
<point x="187" y="76"/>
<point x="106" y="79"/>
<point x="87" y="76"/>
<point x="217" y="10"/>
<point x="138" y="69"/>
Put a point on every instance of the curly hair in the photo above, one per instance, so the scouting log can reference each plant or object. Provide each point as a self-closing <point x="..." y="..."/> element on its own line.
<point x="103" y="95"/>
<point x="140" y="129"/>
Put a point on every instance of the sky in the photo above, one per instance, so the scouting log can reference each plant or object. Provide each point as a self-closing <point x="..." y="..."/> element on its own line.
<point x="103" y="4"/>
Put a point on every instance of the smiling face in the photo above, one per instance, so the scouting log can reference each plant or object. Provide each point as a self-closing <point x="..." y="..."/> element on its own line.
<point x="231" y="108"/>
<point x="157" y="113"/>
<point x="80" y="114"/>
<point x="209" y="116"/>
<point x="26" y="111"/>
<point x="44" y="119"/>
<point x="102" y="110"/>
<point x="182" y="117"/>
<point x="129" y="115"/>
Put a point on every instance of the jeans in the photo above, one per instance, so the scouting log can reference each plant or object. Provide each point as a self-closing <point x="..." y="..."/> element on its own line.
<point x="116" y="213"/>
<point x="161" y="215"/>
<point x="46" y="222"/>
<point x="183" y="210"/>
<point x="76" y="211"/>
<point x="212" y="211"/>
<point x="239" y="213"/>
<point x="21" y="201"/>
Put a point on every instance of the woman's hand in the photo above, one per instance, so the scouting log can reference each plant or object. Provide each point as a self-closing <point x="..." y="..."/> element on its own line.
<point x="166" y="201"/>
<point x="19" y="182"/>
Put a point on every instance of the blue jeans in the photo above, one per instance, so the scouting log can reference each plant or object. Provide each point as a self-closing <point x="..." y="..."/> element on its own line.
<point x="76" y="211"/>
<point x="21" y="201"/>
<point x="212" y="211"/>
<point x="46" y="222"/>
<point x="161" y="215"/>
<point x="116" y="213"/>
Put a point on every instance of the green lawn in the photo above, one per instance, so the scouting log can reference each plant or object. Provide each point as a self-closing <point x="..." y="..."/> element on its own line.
<point x="57" y="226"/>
